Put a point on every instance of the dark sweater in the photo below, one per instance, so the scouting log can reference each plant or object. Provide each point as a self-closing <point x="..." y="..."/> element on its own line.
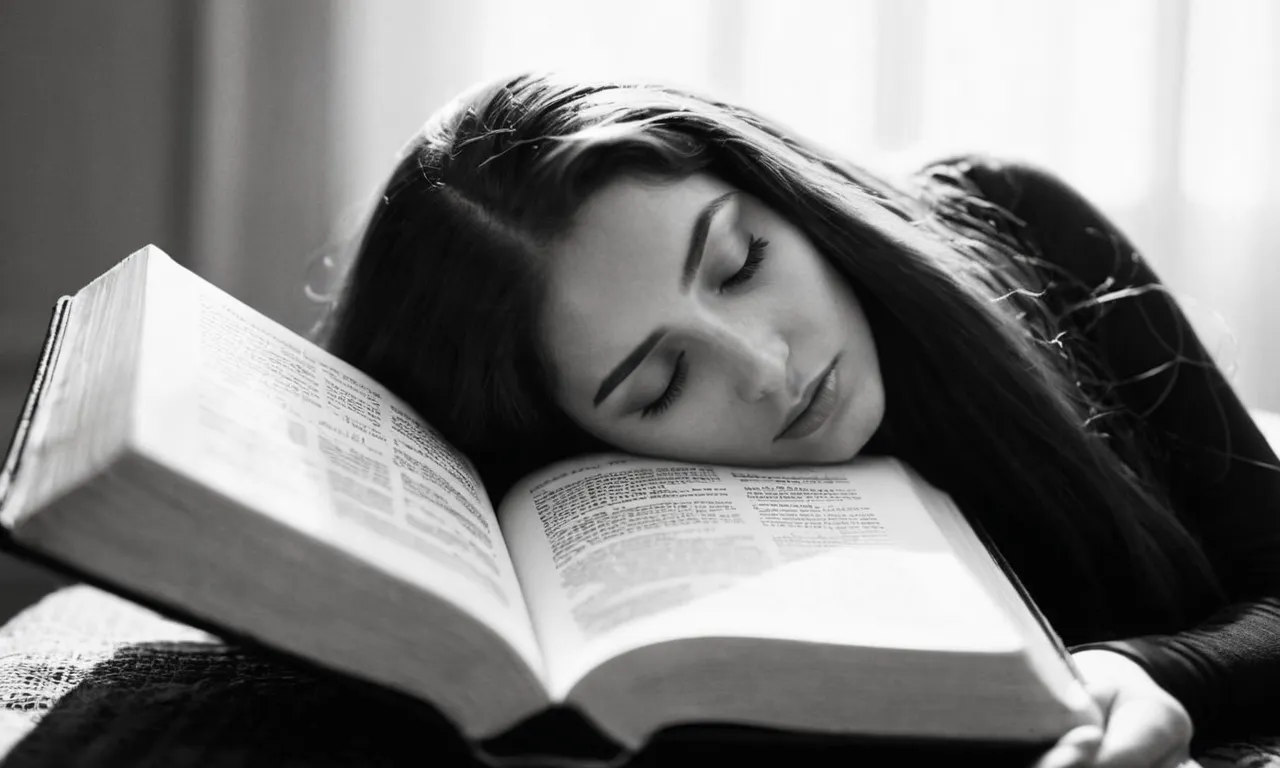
<point x="1222" y="477"/>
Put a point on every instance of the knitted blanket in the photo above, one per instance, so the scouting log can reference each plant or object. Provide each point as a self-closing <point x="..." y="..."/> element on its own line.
<point x="88" y="679"/>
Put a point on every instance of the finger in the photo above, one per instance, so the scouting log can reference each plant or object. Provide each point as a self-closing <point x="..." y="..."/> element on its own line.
<point x="1143" y="732"/>
<point x="1076" y="748"/>
<point x="1084" y="736"/>
<point x="1063" y="757"/>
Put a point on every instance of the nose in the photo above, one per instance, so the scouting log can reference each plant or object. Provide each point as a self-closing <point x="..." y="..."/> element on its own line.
<point x="761" y="362"/>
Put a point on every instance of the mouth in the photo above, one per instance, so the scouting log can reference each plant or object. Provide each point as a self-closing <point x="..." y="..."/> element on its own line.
<point x="815" y="407"/>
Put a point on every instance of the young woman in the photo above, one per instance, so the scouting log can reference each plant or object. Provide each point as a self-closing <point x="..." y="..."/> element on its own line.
<point x="558" y="267"/>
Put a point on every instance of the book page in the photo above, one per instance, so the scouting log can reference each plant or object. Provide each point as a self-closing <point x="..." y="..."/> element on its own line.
<point x="617" y="552"/>
<point x="71" y="434"/>
<point x="272" y="421"/>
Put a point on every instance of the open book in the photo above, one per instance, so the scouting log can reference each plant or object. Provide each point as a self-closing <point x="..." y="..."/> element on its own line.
<point x="182" y="447"/>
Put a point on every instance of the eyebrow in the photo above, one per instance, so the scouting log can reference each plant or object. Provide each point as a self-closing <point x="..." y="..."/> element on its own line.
<point x="698" y="240"/>
<point x="629" y="364"/>
<point x="697" y="245"/>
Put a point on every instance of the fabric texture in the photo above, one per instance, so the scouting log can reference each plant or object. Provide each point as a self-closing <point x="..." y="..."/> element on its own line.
<point x="88" y="679"/>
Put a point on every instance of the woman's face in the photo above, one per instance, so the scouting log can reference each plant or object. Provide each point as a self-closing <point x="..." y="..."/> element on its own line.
<point x="685" y="319"/>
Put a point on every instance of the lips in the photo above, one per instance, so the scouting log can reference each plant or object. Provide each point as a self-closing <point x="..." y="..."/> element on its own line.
<point x="816" y="407"/>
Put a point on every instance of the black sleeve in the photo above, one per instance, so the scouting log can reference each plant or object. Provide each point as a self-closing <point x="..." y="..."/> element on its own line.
<point x="1223" y="477"/>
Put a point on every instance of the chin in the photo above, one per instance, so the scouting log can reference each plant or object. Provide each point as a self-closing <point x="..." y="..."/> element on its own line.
<point x="847" y="450"/>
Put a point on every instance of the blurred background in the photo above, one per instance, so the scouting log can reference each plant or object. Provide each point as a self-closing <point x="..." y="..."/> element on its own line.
<point x="247" y="138"/>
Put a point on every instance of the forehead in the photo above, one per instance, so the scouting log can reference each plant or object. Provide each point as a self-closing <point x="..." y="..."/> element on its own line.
<point x="616" y="272"/>
<point x="636" y="221"/>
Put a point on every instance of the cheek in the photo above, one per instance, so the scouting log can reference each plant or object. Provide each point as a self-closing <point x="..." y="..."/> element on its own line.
<point x="817" y="292"/>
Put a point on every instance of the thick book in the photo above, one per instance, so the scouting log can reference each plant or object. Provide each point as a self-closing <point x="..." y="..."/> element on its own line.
<point x="186" y="451"/>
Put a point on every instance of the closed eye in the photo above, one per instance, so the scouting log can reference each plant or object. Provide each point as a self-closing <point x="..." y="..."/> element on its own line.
<point x="672" y="391"/>
<point x="755" y="257"/>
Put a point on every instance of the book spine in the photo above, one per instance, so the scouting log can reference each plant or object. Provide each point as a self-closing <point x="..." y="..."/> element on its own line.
<point x="39" y="386"/>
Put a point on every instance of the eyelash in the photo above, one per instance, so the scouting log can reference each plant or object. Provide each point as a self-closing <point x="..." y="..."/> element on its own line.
<point x="672" y="391"/>
<point x="755" y="257"/>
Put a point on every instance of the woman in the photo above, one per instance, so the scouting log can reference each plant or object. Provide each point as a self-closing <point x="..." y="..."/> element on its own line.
<point x="559" y="267"/>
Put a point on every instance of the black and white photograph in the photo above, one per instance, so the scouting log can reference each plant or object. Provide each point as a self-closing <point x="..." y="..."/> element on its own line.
<point x="615" y="384"/>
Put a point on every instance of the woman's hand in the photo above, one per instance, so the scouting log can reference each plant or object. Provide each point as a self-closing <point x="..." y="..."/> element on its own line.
<point x="1144" y="726"/>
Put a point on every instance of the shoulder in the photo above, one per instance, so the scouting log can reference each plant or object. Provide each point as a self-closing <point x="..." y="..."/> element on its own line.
<point x="1016" y="185"/>
<point x="1067" y="229"/>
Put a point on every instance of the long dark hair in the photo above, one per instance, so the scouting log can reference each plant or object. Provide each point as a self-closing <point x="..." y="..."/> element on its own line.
<point x="442" y="300"/>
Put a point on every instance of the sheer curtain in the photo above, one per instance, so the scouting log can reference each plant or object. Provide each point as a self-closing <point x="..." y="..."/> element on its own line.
<point x="1165" y="112"/>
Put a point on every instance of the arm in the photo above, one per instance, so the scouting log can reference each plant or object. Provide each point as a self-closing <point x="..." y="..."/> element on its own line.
<point x="1224" y="479"/>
